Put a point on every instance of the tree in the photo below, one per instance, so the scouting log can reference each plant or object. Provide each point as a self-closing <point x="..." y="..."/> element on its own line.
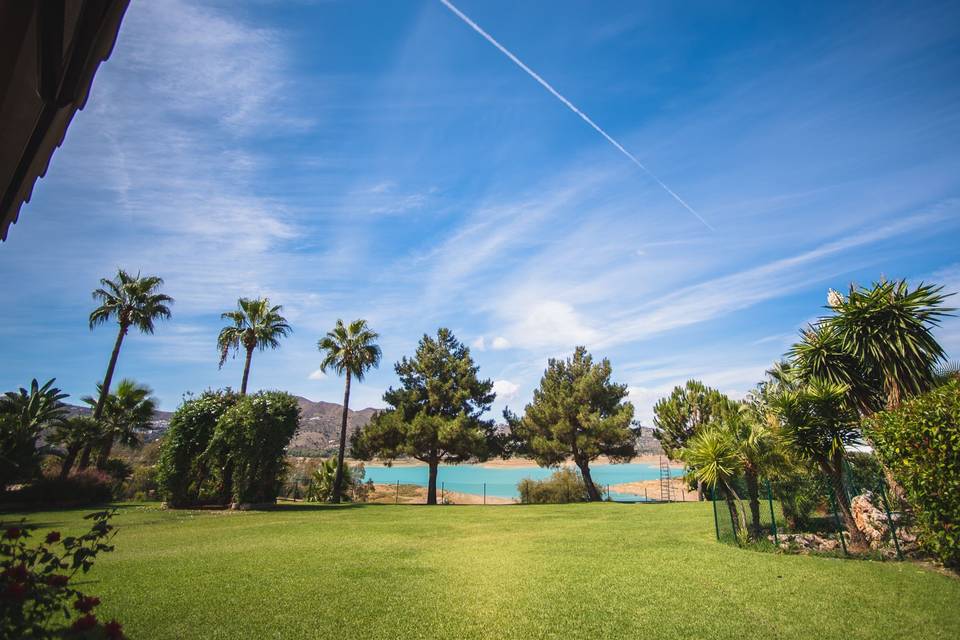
<point x="134" y="301"/>
<point x="127" y="413"/>
<point x="888" y="329"/>
<point x="820" y="422"/>
<point x="577" y="414"/>
<point x="760" y="448"/>
<point x="435" y="413"/>
<point x="255" y="325"/>
<point x="24" y="414"/>
<point x="716" y="460"/>
<point x="350" y="350"/>
<point x="73" y="434"/>
<point x="683" y="414"/>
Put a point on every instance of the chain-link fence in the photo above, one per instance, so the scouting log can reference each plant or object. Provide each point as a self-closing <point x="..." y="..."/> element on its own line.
<point x="802" y="514"/>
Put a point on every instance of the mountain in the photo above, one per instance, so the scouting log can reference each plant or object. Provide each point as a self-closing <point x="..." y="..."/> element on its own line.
<point x="320" y="425"/>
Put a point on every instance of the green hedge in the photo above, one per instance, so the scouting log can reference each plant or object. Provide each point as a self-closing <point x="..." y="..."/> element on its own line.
<point x="920" y="443"/>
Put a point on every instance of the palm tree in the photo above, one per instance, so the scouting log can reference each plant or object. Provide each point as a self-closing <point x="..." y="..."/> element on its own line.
<point x="350" y="350"/>
<point x="135" y="302"/>
<point x="715" y="458"/>
<point x="73" y="434"/>
<point x="760" y="448"/>
<point x="888" y="329"/>
<point x="127" y="413"/>
<point x="323" y="480"/>
<point x="820" y="422"/>
<point x="256" y="325"/>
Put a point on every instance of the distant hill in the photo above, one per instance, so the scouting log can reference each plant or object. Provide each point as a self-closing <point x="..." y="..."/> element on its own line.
<point x="161" y="420"/>
<point x="320" y="425"/>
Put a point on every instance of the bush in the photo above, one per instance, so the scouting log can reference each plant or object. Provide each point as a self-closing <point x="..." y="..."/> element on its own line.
<point x="182" y="470"/>
<point x="86" y="487"/>
<point x="250" y="444"/>
<point x="565" y="485"/>
<point x="920" y="443"/>
<point x="35" y="582"/>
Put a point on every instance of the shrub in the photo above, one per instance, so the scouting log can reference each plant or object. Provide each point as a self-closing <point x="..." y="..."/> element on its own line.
<point x="35" y="582"/>
<point x="250" y="443"/>
<point x="90" y="486"/>
<point x="565" y="485"/>
<point x="181" y="470"/>
<point x="920" y="443"/>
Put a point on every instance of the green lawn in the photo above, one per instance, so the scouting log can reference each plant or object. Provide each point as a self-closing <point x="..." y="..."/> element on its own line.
<point x="571" y="571"/>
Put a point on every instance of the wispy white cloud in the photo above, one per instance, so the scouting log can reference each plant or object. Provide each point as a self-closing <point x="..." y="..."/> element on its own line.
<point x="505" y="390"/>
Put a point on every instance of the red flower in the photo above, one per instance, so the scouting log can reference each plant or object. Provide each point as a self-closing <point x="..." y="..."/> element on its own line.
<point x="15" y="591"/>
<point x="114" y="630"/>
<point x="53" y="536"/>
<point x="17" y="573"/>
<point x="57" y="580"/>
<point x="86" y="603"/>
<point x="84" y="623"/>
<point x="13" y="533"/>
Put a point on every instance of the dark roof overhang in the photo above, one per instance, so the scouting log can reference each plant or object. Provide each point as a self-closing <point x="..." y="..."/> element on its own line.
<point x="49" y="53"/>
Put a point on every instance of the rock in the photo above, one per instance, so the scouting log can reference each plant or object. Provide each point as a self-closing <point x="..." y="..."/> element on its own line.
<point x="871" y="520"/>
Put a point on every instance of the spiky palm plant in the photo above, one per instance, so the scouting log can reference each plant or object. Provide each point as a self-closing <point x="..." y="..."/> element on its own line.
<point x="134" y="301"/>
<point x="25" y="414"/>
<point x="888" y="328"/>
<point x="715" y="457"/>
<point x="820" y="422"/>
<point x="254" y="325"/>
<point x="350" y="350"/>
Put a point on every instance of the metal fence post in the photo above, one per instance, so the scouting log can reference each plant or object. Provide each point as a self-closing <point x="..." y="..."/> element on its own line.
<point x="397" y="498"/>
<point x="893" y="527"/>
<point x="645" y="498"/>
<point x="443" y="494"/>
<point x="773" y="518"/>
<point x="484" y="493"/>
<point x="716" y="521"/>
<point x="836" y="517"/>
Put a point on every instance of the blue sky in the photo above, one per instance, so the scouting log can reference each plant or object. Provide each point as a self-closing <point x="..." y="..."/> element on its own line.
<point x="380" y="159"/>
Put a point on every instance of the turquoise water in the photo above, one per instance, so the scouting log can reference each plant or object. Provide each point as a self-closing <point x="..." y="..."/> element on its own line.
<point x="502" y="481"/>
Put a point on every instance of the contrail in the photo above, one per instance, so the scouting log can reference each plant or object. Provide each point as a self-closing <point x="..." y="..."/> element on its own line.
<point x="546" y="85"/>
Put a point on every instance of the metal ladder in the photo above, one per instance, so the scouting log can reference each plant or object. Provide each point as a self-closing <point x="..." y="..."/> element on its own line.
<point x="666" y="486"/>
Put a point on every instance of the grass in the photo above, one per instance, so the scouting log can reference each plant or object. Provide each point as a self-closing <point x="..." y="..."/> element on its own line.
<point x="564" y="571"/>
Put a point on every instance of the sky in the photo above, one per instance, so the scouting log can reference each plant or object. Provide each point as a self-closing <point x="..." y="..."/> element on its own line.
<point x="673" y="185"/>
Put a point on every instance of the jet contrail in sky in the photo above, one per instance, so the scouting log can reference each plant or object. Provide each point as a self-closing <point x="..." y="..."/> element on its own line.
<point x="546" y="85"/>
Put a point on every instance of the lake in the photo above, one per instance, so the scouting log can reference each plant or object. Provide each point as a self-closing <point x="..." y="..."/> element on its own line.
<point x="502" y="481"/>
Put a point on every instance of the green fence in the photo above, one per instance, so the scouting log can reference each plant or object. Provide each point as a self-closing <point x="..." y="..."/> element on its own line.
<point x="805" y="517"/>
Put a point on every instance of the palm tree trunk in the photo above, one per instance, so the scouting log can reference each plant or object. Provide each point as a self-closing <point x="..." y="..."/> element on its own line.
<point x="104" y="393"/>
<point x="108" y="378"/>
<point x="338" y="482"/>
<point x="246" y="371"/>
<point x="834" y="472"/>
<point x="432" y="482"/>
<point x="68" y="461"/>
<point x="104" y="453"/>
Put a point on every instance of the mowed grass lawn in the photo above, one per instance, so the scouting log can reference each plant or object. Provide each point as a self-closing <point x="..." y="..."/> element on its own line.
<point x="565" y="571"/>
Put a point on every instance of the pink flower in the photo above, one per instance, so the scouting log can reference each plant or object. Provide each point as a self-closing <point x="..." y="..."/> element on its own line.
<point x="12" y="533"/>
<point x="57" y="580"/>
<point x="53" y="536"/>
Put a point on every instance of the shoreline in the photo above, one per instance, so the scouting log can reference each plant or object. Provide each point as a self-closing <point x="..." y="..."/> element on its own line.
<point x="650" y="460"/>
